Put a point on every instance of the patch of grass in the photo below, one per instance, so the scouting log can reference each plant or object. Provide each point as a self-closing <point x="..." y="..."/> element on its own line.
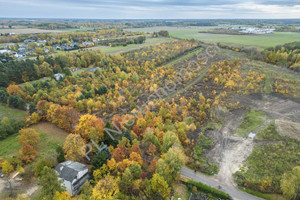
<point x="9" y="146"/>
<point x="251" y="123"/>
<point x="268" y="84"/>
<point x="269" y="133"/>
<point x="202" y="163"/>
<point x="180" y="191"/>
<point x="121" y="49"/>
<point x="267" y="163"/>
<point x="268" y="40"/>
<point x="187" y="55"/>
<point x="263" y="195"/>
<point x="11" y="113"/>
<point x="213" y="126"/>
<point x="51" y="137"/>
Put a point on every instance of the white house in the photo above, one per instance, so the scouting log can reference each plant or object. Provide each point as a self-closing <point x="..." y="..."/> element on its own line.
<point x="4" y="51"/>
<point x="73" y="174"/>
<point x="58" y="76"/>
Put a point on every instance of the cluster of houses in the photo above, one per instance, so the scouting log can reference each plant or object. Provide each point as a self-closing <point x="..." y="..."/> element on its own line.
<point x="72" y="46"/>
<point x="257" y="30"/>
<point x="23" y="50"/>
<point x="247" y="29"/>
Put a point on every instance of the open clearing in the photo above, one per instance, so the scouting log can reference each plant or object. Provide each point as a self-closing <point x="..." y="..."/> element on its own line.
<point x="51" y="137"/>
<point x="269" y="40"/>
<point x="122" y="49"/>
<point x="9" y="146"/>
<point x="11" y="113"/>
<point x="29" y="30"/>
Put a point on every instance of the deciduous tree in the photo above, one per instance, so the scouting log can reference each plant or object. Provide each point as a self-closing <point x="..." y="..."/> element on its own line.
<point x="74" y="147"/>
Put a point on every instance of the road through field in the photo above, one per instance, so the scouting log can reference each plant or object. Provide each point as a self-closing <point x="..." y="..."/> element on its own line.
<point x="213" y="182"/>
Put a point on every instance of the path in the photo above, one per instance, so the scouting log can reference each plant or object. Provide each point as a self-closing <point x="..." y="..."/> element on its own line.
<point x="213" y="182"/>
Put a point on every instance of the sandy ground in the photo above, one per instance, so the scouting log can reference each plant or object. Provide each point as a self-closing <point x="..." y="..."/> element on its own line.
<point x="233" y="151"/>
<point x="31" y="190"/>
<point x="288" y="128"/>
<point x="232" y="159"/>
<point x="2" y="185"/>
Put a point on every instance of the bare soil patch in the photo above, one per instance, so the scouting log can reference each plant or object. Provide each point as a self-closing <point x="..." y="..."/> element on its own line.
<point x="288" y="128"/>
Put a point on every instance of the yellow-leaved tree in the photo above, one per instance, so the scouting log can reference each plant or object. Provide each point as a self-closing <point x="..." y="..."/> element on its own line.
<point x="290" y="183"/>
<point x="106" y="188"/>
<point x="90" y="127"/>
<point x="30" y="137"/>
<point x="74" y="147"/>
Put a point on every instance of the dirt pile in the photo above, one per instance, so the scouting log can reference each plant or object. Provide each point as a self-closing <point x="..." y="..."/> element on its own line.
<point x="288" y="128"/>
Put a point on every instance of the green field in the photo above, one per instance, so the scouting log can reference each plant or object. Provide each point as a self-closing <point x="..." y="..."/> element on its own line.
<point x="249" y="40"/>
<point x="171" y="28"/>
<point x="50" y="138"/>
<point x="9" y="146"/>
<point x="122" y="49"/>
<point x="11" y="113"/>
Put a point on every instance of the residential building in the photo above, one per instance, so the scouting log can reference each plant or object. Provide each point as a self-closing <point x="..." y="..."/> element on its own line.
<point x="73" y="174"/>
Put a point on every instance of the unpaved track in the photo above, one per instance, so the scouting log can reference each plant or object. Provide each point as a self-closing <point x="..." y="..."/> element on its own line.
<point x="233" y="157"/>
<point x="230" y="153"/>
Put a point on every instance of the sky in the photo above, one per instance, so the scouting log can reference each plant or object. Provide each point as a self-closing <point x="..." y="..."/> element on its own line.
<point x="151" y="9"/>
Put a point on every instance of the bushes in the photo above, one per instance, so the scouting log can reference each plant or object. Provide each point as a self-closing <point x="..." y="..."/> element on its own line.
<point x="7" y="167"/>
<point x="9" y="127"/>
<point x="267" y="163"/>
<point x="39" y="166"/>
<point x="16" y="102"/>
<point x="206" y="189"/>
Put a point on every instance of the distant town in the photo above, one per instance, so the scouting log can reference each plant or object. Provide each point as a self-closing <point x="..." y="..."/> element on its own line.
<point x="31" y="47"/>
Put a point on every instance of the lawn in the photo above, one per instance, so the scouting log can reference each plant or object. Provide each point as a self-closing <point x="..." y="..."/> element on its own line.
<point x="11" y="113"/>
<point x="122" y="49"/>
<point x="51" y="137"/>
<point x="9" y="146"/>
<point x="248" y="40"/>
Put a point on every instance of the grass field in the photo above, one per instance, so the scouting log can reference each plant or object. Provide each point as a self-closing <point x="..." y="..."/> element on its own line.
<point x="9" y="146"/>
<point x="171" y="28"/>
<point x="11" y="113"/>
<point x="50" y="138"/>
<point x="122" y="49"/>
<point x="248" y="40"/>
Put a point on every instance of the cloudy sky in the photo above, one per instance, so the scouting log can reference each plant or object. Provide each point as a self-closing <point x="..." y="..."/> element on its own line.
<point x="150" y="9"/>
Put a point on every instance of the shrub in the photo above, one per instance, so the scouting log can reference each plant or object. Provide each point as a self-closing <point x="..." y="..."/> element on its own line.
<point x="206" y="189"/>
<point x="39" y="166"/>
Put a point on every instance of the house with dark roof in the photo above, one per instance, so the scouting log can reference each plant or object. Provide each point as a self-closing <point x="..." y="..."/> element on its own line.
<point x="73" y="174"/>
<point x="29" y="41"/>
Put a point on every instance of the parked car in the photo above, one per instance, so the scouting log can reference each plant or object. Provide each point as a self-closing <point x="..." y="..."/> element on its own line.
<point x="1" y="175"/>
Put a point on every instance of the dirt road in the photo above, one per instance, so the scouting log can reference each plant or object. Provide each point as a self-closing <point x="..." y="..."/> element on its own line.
<point x="213" y="182"/>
